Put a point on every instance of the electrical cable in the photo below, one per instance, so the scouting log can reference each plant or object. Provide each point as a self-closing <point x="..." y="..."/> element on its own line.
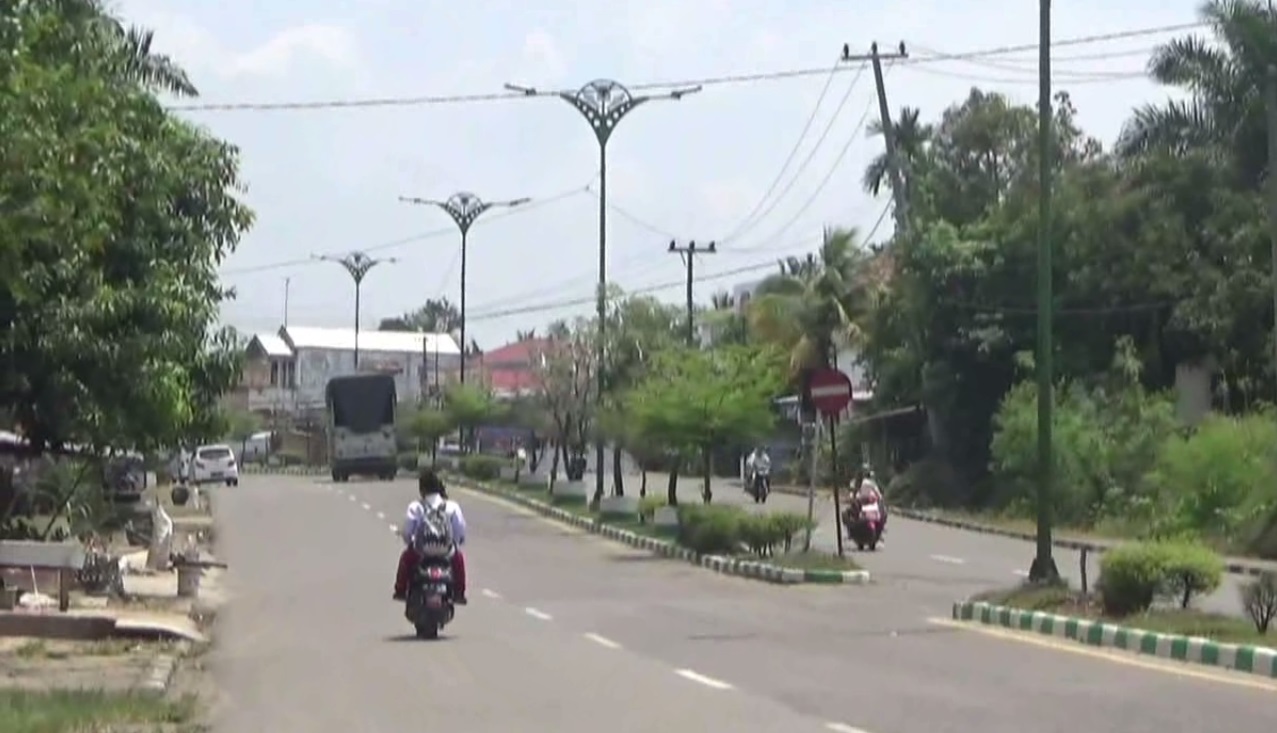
<point x="784" y="167"/>
<point x="710" y="81"/>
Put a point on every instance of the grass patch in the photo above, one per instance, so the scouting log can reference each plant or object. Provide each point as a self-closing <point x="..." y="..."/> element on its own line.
<point x="45" y="649"/>
<point x="813" y="561"/>
<point x="77" y="711"/>
<point x="1183" y="622"/>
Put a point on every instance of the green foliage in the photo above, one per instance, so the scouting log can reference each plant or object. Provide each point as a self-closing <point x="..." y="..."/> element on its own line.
<point x="710" y="530"/>
<point x="107" y="300"/>
<point x="408" y="462"/>
<point x="1105" y="438"/>
<point x="482" y="467"/>
<point x="428" y="424"/>
<point x="1220" y="481"/>
<point x="648" y="505"/>
<point x="1133" y="575"/>
<point x="698" y="398"/>
<point x="469" y="406"/>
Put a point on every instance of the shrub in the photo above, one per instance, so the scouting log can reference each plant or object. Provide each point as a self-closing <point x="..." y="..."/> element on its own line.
<point x="481" y="467"/>
<point x="1259" y="598"/>
<point x="761" y="533"/>
<point x="788" y="525"/>
<point x="1191" y="569"/>
<point x="1131" y="576"/>
<point x="1220" y="481"/>
<point x="710" y="529"/>
<point x="648" y="505"/>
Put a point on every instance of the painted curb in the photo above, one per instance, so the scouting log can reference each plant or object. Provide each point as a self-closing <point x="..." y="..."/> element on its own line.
<point x="285" y="470"/>
<point x="1234" y="566"/>
<point x="1255" y="660"/>
<point x="160" y="674"/>
<point x="751" y="569"/>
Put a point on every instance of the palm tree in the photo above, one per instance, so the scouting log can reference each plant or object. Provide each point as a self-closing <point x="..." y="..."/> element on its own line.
<point x="122" y="52"/>
<point x="911" y="137"/>
<point x="814" y="304"/>
<point x="1224" y="111"/>
<point x="722" y="301"/>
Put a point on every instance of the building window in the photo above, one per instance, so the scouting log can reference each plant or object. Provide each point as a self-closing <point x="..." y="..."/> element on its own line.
<point x="274" y="373"/>
<point x="290" y="374"/>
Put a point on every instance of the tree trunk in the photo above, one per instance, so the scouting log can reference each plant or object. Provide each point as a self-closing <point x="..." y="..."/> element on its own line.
<point x="643" y="484"/>
<point x="707" y="466"/>
<point x="434" y="453"/>
<point x="554" y="464"/>
<point x="671" y="492"/>
<point x="618" y="481"/>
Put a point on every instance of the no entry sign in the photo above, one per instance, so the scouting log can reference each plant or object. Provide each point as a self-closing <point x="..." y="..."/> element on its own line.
<point x="830" y="391"/>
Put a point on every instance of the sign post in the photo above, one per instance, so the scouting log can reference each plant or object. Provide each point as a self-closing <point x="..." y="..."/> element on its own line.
<point x="829" y="391"/>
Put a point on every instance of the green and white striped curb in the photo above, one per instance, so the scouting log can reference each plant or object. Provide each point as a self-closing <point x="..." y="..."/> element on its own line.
<point x="726" y="565"/>
<point x="284" y="470"/>
<point x="1257" y="660"/>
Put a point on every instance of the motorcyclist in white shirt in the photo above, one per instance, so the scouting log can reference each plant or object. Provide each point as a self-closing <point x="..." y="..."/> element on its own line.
<point x="435" y="496"/>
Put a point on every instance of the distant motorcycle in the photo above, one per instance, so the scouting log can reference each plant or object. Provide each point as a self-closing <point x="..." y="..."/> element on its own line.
<point x="760" y="484"/>
<point x="864" y="525"/>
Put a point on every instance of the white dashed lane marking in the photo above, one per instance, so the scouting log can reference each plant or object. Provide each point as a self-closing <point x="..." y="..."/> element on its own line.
<point x="366" y="507"/>
<point x="844" y="728"/>
<point x="699" y="678"/>
<point x="538" y="614"/>
<point x="602" y="641"/>
<point x="489" y="593"/>
<point x="381" y="515"/>
<point x="949" y="559"/>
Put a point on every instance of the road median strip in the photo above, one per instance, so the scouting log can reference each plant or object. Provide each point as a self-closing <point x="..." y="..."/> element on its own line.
<point x="751" y="569"/>
<point x="1257" y="660"/>
<point x="1232" y="565"/>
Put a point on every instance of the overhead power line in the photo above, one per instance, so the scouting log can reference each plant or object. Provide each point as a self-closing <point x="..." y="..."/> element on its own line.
<point x="709" y="81"/>
<point x="415" y="238"/>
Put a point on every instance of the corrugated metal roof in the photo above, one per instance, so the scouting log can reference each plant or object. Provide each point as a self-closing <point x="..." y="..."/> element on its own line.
<point x="343" y="339"/>
<point x="272" y="344"/>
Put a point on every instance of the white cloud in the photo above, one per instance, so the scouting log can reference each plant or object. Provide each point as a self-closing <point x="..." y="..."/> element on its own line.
<point x="199" y="50"/>
<point x="331" y="44"/>
<point x="541" y="50"/>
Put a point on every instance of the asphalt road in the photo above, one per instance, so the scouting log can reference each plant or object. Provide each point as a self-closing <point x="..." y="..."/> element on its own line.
<point x="922" y="554"/>
<point x="568" y="632"/>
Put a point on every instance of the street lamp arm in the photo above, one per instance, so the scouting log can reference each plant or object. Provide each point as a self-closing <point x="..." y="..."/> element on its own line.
<point x="420" y="201"/>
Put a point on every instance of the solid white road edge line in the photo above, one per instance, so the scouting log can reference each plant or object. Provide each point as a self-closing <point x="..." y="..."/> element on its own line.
<point x="702" y="679"/>
<point x="949" y="559"/>
<point x="537" y="614"/>
<point x="602" y="641"/>
<point x="844" y="728"/>
<point x="489" y="593"/>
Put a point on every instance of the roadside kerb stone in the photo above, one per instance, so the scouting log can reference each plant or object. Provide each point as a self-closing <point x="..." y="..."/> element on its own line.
<point x="1255" y="660"/>
<point x="726" y="565"/>
<point x="160" y="675"/>
<point x="1232" y="565"/>
<point x="284" y="470"/>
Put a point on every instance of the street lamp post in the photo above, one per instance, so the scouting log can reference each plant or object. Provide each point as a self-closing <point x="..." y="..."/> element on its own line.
<point x="603" y="103"/>
<point x="357" y="264"/>
<point x="465" y="208"/>
<point x="1043" y="568"/>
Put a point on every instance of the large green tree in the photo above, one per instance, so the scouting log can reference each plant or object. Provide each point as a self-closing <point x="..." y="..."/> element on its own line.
<point x="114" y="215"/>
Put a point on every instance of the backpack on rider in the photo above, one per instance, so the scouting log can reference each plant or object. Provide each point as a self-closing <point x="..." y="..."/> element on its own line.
<point x="434" y="534"/>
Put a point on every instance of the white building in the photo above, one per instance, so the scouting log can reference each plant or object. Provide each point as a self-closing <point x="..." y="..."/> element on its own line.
<point x="288" y="371"/>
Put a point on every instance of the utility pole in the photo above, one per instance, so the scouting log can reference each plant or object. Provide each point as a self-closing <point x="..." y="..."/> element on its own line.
<point x="1043" y="569"/>
<point x="1270" y="102"/>
<point x="899" y="197"/>
<point x="464" y="208"/>
<point x="288" y="281"/>
<point x="357" y="264"/>
<point x="688" y="254"/>
<point x="603" y="103"/>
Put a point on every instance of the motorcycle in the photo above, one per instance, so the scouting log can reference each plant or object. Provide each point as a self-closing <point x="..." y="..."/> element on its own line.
<point x="429" y="605"/>
<point x="760" y="485"/>
<point x="864" y="527"/>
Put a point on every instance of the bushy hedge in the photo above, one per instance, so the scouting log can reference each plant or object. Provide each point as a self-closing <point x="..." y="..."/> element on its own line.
<point x="1125" y="465"/>
<point x="1134" y="575"/>
<point x="481" y="467"/>
<point x="727" y="530"/>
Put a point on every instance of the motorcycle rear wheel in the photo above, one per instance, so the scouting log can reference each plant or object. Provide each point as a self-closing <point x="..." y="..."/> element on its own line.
<point x="428" y="631"/>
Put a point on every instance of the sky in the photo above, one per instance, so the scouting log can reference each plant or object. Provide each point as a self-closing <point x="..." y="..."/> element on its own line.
<point x="326" y="181"/>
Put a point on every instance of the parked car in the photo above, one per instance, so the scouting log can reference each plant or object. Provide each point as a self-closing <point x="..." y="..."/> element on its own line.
<point x="215" y="464"/>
